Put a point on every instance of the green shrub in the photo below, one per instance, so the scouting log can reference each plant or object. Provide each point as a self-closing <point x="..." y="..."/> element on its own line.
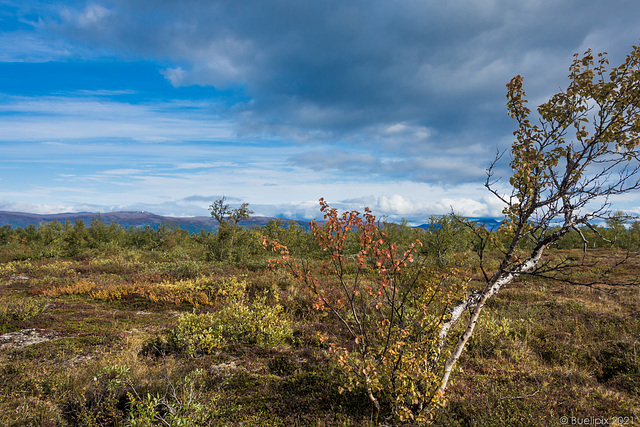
<point x="282" y="365"/>
<point x="444" y="237"/>
<point x="19" y="311"/>
<point x="182" y="406"/>
<point x="258" y="323"/>
<point x="228" y="290"/>
<point x="104" y="402"/>
<point x="114" y="399"/>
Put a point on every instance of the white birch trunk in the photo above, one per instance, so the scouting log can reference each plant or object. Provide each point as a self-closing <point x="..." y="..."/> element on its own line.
<point x="477" y="301"/>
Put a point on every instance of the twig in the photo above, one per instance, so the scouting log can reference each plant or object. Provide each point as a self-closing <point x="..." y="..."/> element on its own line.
<point x="525" y="396"/>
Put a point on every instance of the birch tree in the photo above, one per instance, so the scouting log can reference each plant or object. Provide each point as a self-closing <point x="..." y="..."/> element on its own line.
<point x="228" y="220"/>
<point x="581" y="152"/>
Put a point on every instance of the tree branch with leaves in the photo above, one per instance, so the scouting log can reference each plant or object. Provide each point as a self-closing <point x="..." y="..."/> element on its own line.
<point x="566" y="168"/>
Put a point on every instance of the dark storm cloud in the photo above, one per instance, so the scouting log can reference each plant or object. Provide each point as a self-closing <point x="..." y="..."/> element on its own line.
<point x="337" y="72"/>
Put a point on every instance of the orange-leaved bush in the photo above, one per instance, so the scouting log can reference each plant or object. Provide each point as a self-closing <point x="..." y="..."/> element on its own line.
<point x="389" y="306"/>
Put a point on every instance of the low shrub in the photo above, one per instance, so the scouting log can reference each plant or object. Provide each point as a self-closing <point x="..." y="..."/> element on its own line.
<point x="258" y="323"/>
<point x="19" y="311"/>
<point x="115" y="399"/>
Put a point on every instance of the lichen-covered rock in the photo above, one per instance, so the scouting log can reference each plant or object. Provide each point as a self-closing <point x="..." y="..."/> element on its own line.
<point x="26" y="337"/>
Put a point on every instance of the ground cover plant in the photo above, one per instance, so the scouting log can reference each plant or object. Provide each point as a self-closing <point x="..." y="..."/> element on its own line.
<point x="355" y="321"/>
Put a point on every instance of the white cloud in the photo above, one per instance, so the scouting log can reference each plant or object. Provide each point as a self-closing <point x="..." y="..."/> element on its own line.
<point x="43" y="208"/>
<point x="122" y="172"/>
<point x="90" y="17"/>
<point x="28" y="47"/>
<point x="176" y="76"/>
<point x="398" y="205"/>
<point x="403" y="206"/>
<point x="74" y="117"/>
<point x="205" y="165"/>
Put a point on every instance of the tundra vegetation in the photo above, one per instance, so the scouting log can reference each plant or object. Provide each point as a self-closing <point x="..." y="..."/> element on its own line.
<point x="354" y="321"/>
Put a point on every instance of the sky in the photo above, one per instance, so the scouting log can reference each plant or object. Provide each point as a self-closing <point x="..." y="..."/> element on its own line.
<point x="165" y="106"/>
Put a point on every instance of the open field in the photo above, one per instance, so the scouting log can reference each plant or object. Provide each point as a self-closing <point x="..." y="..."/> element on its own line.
<point x="110" y="337"/>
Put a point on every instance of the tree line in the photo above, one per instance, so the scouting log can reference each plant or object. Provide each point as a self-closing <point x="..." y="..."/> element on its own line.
<point x="442" y="237"/>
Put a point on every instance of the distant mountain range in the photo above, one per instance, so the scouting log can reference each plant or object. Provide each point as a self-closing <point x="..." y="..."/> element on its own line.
<point x="488" y="222"/>
<point x="141" y="219"/>
<point x="127" y="219"/>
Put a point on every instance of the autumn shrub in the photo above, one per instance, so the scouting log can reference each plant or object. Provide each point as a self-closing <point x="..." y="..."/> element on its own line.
<point x="192" y="292"/>
<point x="389" y="308"/>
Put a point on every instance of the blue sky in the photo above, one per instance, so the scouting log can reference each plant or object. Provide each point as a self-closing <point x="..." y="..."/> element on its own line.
<point x="165" y="106"/>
